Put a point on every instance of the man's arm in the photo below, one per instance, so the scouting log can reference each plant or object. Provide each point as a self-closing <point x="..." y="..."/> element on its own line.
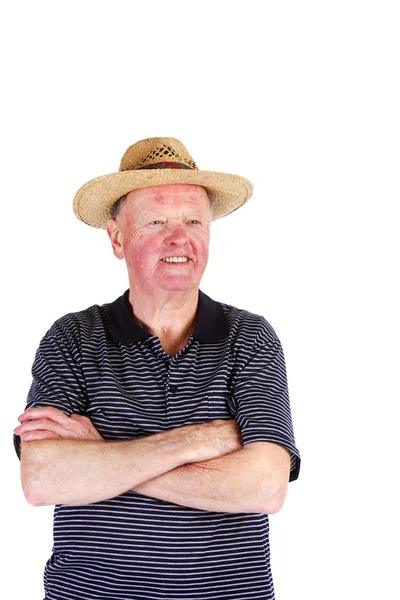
<point x="71" y="467"/>
<point x="251" y="480"/>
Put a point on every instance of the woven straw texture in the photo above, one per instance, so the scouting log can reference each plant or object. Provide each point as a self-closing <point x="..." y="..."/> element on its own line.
<point x="94" y="201"/>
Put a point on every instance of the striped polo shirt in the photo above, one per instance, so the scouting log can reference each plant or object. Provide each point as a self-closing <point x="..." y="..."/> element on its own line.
<point x="100" y="363"/>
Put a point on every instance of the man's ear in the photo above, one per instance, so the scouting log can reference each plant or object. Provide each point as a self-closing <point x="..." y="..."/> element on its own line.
<point x="115" y="235"/>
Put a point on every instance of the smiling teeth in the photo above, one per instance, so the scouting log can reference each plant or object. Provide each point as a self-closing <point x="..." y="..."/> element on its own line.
<point x="176" y="259"/>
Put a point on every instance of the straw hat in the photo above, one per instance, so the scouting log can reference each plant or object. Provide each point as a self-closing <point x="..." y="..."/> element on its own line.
<point x="157" y="161"/>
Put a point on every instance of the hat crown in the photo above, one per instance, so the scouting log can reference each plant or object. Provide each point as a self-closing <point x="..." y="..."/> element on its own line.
<point x="154" y="151"/>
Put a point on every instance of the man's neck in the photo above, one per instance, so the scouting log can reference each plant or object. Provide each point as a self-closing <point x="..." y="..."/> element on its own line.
<point x="170" y="315"/>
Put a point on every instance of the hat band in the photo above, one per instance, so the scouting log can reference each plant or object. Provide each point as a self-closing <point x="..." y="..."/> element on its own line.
<point x="166" y="165"/>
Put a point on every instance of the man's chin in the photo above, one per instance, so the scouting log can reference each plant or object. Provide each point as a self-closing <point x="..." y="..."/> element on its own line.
<point x="178" y="284"/>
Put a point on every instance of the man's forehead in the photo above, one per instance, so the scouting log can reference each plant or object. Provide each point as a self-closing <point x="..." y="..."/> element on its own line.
<point x="168" y="195"/>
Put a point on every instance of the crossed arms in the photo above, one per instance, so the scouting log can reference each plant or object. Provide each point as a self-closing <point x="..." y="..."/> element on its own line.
<point x="64" y="460"/>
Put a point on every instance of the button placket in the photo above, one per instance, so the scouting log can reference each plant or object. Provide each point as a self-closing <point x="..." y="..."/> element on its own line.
<point x="167" y="388"/>
<point x="172" y="386"/>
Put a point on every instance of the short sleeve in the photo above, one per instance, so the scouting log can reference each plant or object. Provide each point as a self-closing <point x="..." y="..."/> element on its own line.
<point x="57" y="378"/>
<point x="261" y="397"/>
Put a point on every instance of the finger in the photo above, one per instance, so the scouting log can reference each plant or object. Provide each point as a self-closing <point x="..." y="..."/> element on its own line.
<point x="31" y="436"/>
<point x="44" y="412"/>
<point x="78" y="418"/>
<point x="43" y="425"/>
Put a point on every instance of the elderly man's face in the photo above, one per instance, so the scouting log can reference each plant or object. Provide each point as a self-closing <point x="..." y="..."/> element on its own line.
<point x="163" y="233"/>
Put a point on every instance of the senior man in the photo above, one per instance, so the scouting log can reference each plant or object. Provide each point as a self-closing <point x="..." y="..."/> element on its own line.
<point x="159" y="424"/>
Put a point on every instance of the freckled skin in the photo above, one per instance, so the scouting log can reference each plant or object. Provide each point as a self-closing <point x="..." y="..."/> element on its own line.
<point x="184" y="230"/>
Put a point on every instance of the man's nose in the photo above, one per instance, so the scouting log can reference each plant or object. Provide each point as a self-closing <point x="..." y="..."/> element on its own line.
<point x="177" y="233"/>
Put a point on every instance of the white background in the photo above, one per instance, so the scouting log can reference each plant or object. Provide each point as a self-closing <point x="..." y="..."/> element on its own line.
<point x="303" y="99"/>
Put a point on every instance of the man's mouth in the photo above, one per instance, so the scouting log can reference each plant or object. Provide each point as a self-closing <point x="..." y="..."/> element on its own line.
<point x="176" y="259"/>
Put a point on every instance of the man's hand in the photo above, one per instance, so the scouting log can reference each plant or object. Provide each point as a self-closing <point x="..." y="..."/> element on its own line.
<point x="49" y="423"/>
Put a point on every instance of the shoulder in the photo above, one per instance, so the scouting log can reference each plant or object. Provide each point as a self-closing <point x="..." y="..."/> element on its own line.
<point x="252" y="326"/>
<point x="74" y="327"/>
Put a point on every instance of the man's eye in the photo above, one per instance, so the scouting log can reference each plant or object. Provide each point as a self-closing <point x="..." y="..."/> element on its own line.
<point x="195" y="222"/>
<point x="156" y="222"/>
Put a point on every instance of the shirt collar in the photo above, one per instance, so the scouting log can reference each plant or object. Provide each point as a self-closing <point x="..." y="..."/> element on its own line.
<point x="211" y="324"/>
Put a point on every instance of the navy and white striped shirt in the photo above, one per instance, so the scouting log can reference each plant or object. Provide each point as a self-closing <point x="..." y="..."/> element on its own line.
<point x="101" y="364"/>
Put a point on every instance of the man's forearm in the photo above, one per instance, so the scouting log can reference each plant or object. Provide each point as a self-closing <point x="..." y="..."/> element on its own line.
<point x="81" y="472"/>
<point x="253" y="480"/>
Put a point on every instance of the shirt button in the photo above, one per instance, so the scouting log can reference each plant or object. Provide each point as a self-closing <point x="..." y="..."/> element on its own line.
<point x="173" y="389"/>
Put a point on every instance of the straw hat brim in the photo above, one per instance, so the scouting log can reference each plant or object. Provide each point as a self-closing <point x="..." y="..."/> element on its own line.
<point x="94" y="201"/>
